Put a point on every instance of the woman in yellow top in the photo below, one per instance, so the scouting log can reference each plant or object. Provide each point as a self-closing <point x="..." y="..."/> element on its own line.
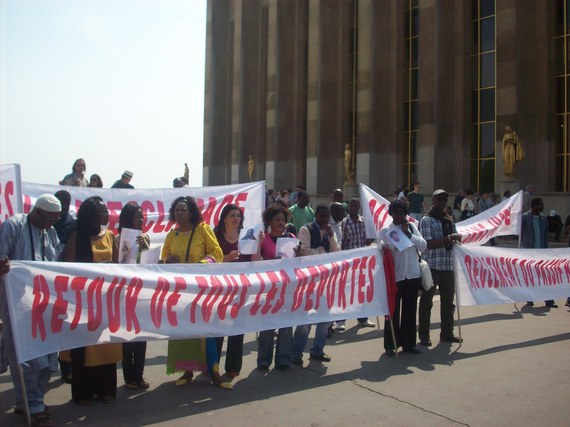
<point x="193" y="241"/>
<point x="93" y="368"/>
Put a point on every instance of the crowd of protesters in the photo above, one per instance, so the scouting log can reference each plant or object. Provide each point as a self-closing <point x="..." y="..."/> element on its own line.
<point x="50" y="233"/>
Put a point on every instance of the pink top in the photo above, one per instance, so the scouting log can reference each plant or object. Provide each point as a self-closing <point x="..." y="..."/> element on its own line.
<point x="269" y="244"/>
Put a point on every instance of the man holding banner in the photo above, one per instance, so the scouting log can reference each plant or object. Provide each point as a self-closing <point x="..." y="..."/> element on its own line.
<point x="439" y="231"/>
<point x="29" y="237"/>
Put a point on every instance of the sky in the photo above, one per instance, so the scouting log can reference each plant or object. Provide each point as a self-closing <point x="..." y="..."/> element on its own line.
<point x="119" y="83"/>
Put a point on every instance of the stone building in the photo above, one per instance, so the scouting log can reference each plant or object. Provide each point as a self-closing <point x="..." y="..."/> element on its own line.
<point x="417" y="89"/>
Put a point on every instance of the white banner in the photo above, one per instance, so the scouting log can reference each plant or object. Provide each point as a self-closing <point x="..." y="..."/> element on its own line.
<point x="501" y="220"/>
<point x="493" y="275"/>
<point x="56" y="306"/>
<point x="155" y="203"/>
<point x="375" y="211"/>
<point x="10" y="191"/>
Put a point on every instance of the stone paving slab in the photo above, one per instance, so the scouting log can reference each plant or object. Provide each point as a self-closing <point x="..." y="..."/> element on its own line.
<point x="511" y="370"/>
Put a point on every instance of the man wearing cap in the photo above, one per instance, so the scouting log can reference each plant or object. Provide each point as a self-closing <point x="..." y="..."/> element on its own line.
<point x="125" y="180"/>
<point x="438" y="229"/>
<point x="29" y="238"/>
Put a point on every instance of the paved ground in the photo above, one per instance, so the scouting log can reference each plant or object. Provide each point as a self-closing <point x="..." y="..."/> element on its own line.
<point x="511" y="370"/>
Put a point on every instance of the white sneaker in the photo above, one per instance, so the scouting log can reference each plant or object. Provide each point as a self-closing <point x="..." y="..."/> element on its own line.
<point x="340" y="326"/>
<point x="367" y="324"/>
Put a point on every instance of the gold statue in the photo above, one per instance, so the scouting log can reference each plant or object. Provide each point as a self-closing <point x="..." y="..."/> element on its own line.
<point x="250" y="167"/>
<point x="349" y="174"/>
<point x="186" y="173"/>
<point x="512" y="151"/>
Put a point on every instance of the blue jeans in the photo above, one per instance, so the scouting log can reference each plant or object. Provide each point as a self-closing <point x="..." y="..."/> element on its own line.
<point x="302" y="336"/>
<point x="36" y="381"/>
<point x="282" y="351"/>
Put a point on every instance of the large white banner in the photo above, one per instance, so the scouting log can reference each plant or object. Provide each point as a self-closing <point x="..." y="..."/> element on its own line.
<point x="56" y="306"/>
<point x="493" y="275"/>
<point x="155" y="203"/>
<point x="10" y="191"/>
<point x="503" y="219"/>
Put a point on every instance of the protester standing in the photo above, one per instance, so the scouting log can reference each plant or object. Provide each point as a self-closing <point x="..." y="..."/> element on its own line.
<point x="534" y="233"/>
<point x="316" y="237"/>
<point x="77" y="176"/>
<point x="275" y="221"/>
<point x="227" y="232"/>
<point x="28" y="238"/>
<point x="354" y="236"/>
<point x="439" y="231"/>
<point x="192" y="241"/>
<point x="94" y="367"/>
<point x="125" y="181"/>
<point x="134" y="352"/>
<point x="408" y="279"/>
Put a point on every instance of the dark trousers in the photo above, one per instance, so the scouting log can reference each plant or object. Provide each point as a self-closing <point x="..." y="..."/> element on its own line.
<point x="444" y="281"/>
<point x="134" y="354"/>
<point x="404" y="319"/>
<point x="86" y="382"/>
<point x="234" y="352"/>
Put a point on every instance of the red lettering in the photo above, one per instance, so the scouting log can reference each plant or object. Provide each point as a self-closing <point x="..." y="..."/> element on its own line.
<point x="342" y="282"/>
<point x="114" y="303"/>
<point x="302" y="279"/>
<point x="371" y="287"/>
<point x="285" y="280"/>
<point x="131" y="299"/>
<point x="202" y="286"/>
<point x="39" y="306"/>
<point x="233" y="288"/>
<point x="207" y="213"/>
<point x="245" y="287"/>
<point x="376" y="211"/>
<point x="353" y="280"/>
<point x="216" y="290"/>
<point x="59" y="310"/>
<point x="95" y="303"/>
<point x="157" y="301"/>
<point x="77" y="285"/>
<point x="257" y="304"/>
<point x="179" y="285"/>
<point x="8" y="191"/>
<point x="271" y="293"/>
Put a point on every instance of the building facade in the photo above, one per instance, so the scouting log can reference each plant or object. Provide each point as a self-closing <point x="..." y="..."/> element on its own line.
<point x="328" y="92"/>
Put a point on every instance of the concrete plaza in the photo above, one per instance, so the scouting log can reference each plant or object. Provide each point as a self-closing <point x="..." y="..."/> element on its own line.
<point x="512" y="369"/>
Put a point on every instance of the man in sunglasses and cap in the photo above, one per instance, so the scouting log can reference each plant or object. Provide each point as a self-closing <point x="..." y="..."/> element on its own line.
<point x="28" y="238"/>
<point x="125" y="181"/>
<point x="438" y="229"/>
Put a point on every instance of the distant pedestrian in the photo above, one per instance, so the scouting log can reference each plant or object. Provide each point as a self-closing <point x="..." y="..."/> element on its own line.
<point x="77" y="176"/>
<point x="125" y="181"/>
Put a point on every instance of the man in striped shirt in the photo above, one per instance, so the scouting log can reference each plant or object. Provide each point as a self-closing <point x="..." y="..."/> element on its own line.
<point x="354" y="236"/>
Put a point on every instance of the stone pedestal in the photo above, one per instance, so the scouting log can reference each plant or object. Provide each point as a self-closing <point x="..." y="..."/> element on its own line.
<point x="509" y="183"/>
<point x="350" y="190"/>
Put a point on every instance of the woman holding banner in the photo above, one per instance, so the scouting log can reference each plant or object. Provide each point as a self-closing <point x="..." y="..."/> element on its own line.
<point x="275" y="221"/>
<point x="192" y="241"/>
<point x="405" y="243"/>
<point x="227" y="232"/>
<point x="134" y="352"/>
<point x="94" y="368"/>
